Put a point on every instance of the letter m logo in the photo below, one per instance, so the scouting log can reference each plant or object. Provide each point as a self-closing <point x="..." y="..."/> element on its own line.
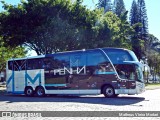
<point x="38" y="76"/>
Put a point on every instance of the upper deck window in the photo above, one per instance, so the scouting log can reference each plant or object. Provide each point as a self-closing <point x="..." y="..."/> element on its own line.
<point x="17" y="65"/>
<point x="117" y="56"/>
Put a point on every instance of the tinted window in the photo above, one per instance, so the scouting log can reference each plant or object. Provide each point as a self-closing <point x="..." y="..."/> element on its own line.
<point x="35" y="64"/>
<point x="62" y="60"/>
<point x="17" y="65"/>
<point x="10" y="65"/>
<point x="118" y="56"/>
<point x="97" y="63"/>
<point x="47" y="63"/>
<point x="77" y="59"/>
<point x="95" y="58"/>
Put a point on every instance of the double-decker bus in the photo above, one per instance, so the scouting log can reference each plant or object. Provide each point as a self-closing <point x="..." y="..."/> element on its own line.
<point x="108" y="71"/>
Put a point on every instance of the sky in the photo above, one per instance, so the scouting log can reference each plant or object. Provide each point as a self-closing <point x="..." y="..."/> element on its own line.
<point x="152" y="7"/>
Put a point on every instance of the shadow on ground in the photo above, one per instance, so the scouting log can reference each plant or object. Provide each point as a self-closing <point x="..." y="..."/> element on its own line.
<point x="90" y="99"/>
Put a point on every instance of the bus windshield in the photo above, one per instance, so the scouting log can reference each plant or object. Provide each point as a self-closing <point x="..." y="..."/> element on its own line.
<point x="139" y="73"/>
<point x="129" y="71"/>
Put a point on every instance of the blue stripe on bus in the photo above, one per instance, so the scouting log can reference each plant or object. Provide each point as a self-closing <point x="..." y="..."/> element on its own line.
<point x="56" y="85"/>
<point x="13" y="82"/>
<point x="9" y="80"/>
<point x="35" y="78"/>
<point x="18" y="92"/>
<point x="106" y="73"/>
<point x="25" y="78"/>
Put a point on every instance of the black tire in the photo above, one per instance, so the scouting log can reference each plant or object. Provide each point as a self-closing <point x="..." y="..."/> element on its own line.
<point x="29" y="91"/>
<point x="40" y="91"/>
<point x="108" y="91"/>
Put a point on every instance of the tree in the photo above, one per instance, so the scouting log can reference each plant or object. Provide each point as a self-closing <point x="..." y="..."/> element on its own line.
<point x="125" y="33"/>
<point x="106" y="29"/>
<point x="153" y="43"/>
<point x="138" y="20"/>
<point x="119" y="7"/>
<point x="153" y="62"/>
<point x="134" y="14"/>
<point x="47" y="26"/>
<point x="112" y="31"/>
<point x="137" y="43"/>
<point x="153" y="55"/>
<point x="105" y="4"/>
<point x="7" y="53"/>
<point x="143" y="19"/>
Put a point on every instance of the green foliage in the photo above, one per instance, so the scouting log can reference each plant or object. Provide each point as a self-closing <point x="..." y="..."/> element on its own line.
<point x="154" y="62"/>
<point x="119" y="7"/>
<point x="125" y="33"/>
<point x="48" y="26"/>
<point x="134" y="14"/>
<point x="106" y="5"/>
<point x="112" y="31"/>
<point x="138" y="20"/>
<point x="7" y="53"/>
<point x="106" y="27"/>
<point x="143" y="19"/>
<point x="153" y="54"/>
<point x="153" y="43"/>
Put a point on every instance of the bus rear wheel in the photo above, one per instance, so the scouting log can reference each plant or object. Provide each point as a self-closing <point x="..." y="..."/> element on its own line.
<point x="29" y="91"/>
<point x="108" y="91"/>
<point x="40" y="91"/>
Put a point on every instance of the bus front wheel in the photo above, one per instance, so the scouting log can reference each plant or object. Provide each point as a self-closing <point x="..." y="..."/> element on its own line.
<point x="29" y="91"/>
<point x="40" y="91"/>
<point x="108" y="91"/>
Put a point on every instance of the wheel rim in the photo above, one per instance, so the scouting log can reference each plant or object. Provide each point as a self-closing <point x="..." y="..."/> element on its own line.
<point x="29" y="91"/>
<point x="109" y="91"/>
<point x="40" y="92"/>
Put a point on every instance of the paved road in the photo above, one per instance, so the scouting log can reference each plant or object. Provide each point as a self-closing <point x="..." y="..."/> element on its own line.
<point x="148" y="101"/>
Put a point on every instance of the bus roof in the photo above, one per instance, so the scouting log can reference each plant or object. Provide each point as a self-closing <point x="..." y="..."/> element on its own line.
<point x="112" y="48"/>
<point x="47" y="55"/>
<point x="30" y="57"/>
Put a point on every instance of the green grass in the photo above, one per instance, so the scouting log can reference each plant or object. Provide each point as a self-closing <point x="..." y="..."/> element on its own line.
<point x="152" y="85"/>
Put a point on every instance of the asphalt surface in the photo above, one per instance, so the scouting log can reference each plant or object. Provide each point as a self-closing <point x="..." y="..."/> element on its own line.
<point x="147" y="101"/>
